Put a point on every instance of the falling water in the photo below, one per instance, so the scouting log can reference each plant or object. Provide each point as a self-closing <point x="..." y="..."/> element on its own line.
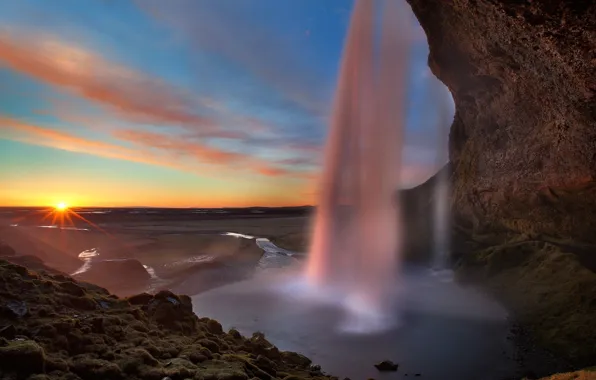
<point x="356" y="238"/>
<point x="441" y="221"/>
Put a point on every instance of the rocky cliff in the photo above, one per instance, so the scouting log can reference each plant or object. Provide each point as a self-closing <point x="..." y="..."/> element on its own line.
<point x="523" y="141"/>
<point x="523" y="155"/>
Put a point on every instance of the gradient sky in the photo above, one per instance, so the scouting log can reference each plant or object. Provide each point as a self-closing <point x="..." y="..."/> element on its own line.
<point x="186" y="103"/>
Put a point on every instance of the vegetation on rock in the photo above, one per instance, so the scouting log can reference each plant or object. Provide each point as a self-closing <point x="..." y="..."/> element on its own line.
<point x="53" y="327"/>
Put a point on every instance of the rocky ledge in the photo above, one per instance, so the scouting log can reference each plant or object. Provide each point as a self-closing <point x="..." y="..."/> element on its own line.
<point x="53" y="327"/>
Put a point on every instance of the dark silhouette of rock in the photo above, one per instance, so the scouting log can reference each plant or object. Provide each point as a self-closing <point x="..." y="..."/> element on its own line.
<point x="387" y="366"/>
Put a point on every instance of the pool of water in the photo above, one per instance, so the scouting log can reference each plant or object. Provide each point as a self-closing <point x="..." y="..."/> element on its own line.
<point x="440" y="331"/>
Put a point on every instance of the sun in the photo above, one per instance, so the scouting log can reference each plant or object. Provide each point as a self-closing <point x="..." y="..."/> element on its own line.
<point x="61" y="206"/>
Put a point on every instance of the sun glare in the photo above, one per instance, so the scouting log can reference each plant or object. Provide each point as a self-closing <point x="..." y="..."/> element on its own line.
<point x="61" y="206"/>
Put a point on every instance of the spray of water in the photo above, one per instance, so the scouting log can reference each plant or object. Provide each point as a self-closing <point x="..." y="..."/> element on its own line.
<point x="356" y="237"/>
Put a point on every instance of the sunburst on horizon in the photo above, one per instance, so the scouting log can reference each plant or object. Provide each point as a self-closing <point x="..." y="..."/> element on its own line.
<point x="61" y="206"/>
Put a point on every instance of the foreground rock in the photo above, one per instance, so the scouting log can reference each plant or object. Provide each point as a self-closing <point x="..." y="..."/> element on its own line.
<point x="70" y="330"/>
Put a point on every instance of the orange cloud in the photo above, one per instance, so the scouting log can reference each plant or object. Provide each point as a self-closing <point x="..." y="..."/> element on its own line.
<point x="152" y="148"/>
<point x="31" y="134"/>
<point x="203" y="153"/>
<point x="106" y="83"/>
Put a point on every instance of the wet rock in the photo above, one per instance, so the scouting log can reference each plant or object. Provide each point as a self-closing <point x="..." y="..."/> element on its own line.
<point x="24" y="357"/>
<point x="386" y="366"/>
<point x="14" y="309"/>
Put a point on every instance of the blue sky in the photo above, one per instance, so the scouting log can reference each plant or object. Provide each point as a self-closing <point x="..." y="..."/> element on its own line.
<point x="181" y="102"/>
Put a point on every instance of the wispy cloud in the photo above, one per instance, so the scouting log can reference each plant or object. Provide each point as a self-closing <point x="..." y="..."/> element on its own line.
<point x="149" y="148"/>
<point x="221" y="28"/>
<point x="129" y="93"/>
<point x="36" y="135"/>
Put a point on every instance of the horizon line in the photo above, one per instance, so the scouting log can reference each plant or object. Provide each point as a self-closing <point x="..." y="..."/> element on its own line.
<point x="161" y="207"/>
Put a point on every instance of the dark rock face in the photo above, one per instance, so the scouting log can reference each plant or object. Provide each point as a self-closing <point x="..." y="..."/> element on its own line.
<point x="523" y="141"/>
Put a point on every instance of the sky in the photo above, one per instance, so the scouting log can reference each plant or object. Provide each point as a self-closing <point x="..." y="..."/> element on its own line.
<point x="183" y="103"/>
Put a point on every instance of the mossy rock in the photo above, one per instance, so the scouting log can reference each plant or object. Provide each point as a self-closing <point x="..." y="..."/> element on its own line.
<point x="96" y="369"/>
<point x="124" y="339"/>
<point x="23" y="357"/>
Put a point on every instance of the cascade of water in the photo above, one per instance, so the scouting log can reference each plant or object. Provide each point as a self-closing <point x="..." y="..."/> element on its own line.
<point x="441" y="221"/>
<point x="355" y="243"/>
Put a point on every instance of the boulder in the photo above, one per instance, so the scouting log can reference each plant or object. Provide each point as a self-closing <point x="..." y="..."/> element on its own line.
<point x="386" y="366"/>
<point x="26" y="357"/>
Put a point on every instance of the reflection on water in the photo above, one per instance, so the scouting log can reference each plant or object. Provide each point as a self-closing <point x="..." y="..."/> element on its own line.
<point x="64" y="228"/>
<point x="88" y="253"/>
<point x="191" y="260"/>
<point x="235" y="234"/>
<point x="151" y="272"/>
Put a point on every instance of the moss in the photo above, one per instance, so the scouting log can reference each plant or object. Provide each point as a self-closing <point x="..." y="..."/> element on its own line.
<point x="96" y="369"/>
<point x="26" y="357"/>
<point x="127" y="340"/>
